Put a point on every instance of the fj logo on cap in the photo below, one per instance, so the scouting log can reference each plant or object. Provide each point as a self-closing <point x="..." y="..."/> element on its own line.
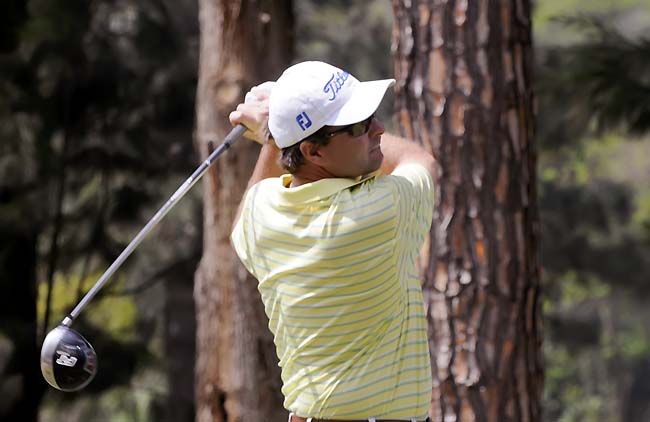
<point x="303" y="120"/>
<point x="334" y="85"/>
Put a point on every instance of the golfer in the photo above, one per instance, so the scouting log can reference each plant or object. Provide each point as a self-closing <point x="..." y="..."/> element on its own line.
<point x="331" y="225"/>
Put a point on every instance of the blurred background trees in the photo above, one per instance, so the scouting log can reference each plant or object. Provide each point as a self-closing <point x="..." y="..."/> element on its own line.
<point x="97" y="118"/>
<point x="593" y="88"/>
<point x="94" y="130"/>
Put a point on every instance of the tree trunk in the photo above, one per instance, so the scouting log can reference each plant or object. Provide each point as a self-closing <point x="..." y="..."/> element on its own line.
<point x="464" y="90"/>
<point x="243" y="43"/>
<point x="20" y="375"/>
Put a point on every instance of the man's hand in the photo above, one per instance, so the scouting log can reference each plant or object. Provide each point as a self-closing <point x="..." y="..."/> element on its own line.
<point x="254" y="113"/>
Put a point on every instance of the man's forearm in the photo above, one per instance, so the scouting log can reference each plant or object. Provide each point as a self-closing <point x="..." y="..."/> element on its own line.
<point x="268" y="164"/>
<point x="398" y="151"/>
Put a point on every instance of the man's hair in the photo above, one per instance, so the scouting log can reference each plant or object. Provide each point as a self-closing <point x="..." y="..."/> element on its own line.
<point x="292" y="157"/>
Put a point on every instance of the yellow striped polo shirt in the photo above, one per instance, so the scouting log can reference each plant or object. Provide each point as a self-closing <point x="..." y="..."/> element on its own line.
<point x="335" y="261"/>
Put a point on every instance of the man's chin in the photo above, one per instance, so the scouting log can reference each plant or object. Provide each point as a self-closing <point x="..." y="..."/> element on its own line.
<point x="374" y="169"/>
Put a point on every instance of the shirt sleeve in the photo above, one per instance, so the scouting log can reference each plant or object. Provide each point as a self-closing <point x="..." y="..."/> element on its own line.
<point x="240" y="236"/>
<point x="415" y="187"/>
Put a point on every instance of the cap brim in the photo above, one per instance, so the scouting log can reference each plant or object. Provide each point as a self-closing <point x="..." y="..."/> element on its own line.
<point x="364" y="101"/>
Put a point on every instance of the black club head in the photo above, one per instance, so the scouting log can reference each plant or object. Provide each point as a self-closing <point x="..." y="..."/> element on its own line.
<point x="68" y="361"/>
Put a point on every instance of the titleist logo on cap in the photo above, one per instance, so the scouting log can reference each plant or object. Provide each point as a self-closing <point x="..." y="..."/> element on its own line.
<point x="335" y="84"/>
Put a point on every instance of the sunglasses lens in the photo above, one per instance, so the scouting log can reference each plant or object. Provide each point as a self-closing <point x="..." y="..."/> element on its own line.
<point x="358" y="129"/>
<point x="361" y="128"/>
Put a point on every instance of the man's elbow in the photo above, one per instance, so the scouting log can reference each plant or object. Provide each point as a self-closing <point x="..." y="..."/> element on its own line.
<point x="429" y="163"/>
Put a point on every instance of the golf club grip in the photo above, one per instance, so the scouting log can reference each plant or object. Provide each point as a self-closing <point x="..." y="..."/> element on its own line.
<point x="233" y="136"/>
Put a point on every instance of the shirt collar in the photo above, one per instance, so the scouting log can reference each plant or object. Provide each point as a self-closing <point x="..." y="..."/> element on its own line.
<point x="315" y="191"/>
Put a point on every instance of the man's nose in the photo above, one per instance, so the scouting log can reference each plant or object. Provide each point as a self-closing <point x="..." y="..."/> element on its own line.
<point x="376" y="127"/>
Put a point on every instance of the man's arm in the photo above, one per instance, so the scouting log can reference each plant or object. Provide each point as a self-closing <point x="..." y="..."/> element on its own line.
<point x="268" y="164"/>
<point x="254" y="114"/>
<point x="398" y="151"/>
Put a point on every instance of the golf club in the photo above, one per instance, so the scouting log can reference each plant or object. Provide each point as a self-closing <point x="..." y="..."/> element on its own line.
<point x="68" y="361"/>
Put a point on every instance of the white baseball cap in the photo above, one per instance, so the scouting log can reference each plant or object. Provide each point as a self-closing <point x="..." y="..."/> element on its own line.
<point x="310" y="95"/>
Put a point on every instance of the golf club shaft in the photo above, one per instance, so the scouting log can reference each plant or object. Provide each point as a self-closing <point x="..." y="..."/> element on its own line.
<point x="234" y="135"/>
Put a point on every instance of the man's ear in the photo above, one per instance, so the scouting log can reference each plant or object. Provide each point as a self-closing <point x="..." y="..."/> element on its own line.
<point x="311" y="152"/>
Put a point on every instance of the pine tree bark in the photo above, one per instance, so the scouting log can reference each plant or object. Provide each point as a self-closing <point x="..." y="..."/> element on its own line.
<point x="465" y="91"/>
<point x="243" y="43"/>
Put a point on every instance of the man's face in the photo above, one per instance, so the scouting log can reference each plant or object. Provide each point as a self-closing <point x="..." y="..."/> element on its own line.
<point x="351" y="156"/>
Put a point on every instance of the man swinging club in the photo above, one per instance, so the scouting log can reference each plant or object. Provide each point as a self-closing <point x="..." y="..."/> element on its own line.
<point x="333" y="245"/>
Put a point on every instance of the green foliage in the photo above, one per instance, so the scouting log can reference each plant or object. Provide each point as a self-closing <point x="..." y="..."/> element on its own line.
<point x="610" y="76"/>
<point x="567" y="394"/>
<point x="607" y="73"/>
<point x="635" y="342"/>
<point x="592" y="87"/>
<point x="122" y="404"/>
<point x="642" y="214"/>
<point x="596" y="265"/>
<point x="546" y="11"/>
<point x="116" y="315"/>
<point x="573" y="292"/>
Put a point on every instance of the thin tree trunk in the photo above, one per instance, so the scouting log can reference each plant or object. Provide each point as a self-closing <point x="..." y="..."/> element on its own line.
<point x="237" y="378"/>
<point x="20" y="376"/>
<point x="464" y="90"/>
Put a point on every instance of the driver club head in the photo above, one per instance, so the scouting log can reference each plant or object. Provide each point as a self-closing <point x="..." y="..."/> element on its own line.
<point x="68" y="361"/>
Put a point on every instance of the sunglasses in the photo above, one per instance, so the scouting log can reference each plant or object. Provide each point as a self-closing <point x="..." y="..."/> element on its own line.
<point x="355" y="129"/>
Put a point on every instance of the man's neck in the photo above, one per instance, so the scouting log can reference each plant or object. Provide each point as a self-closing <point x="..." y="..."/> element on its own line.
<point x="309" y="173"/>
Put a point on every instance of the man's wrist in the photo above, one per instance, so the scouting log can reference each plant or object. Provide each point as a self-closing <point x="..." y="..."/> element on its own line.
<point x="270" y="142"/>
